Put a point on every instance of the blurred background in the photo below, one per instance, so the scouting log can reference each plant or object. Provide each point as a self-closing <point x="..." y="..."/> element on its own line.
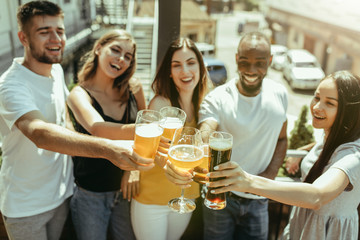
<point x="325" y="29"/>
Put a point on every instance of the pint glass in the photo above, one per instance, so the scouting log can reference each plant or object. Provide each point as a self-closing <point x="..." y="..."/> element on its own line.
<point x="173" y="118"/>
<point x="220" y="151"/>
<point x="199" y="177"/>
<point x="148" y="131"/>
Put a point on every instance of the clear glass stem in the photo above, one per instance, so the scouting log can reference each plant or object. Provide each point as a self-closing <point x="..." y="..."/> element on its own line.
<point x="182" y="194"/>
<point x="182" y="202"/>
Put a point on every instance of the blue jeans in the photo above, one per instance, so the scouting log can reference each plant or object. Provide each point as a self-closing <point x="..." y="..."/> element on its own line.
<point x="241" y="219"/>
<point x="95" y="214"/>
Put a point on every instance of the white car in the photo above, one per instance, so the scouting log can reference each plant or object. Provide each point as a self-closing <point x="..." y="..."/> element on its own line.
<point x="279" y="56"/>
<point x="302" y="70"/>
<point x="207" y="50"/>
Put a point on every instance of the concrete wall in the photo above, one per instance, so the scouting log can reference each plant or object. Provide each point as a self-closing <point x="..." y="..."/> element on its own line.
<point x="336" y="47"/>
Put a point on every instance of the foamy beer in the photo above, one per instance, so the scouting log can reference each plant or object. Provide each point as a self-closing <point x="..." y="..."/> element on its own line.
<point x="185" y="152"/>
<point x="173" y="118"/>
<point x="147" y="133"/>
<point x="186" y="156"/>
<point x="200" y="177"/>
<point x="220" y="152"/>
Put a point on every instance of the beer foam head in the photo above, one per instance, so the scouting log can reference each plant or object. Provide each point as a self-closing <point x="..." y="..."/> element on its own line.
<point x="186" y="153"/>
<point x="172" y="123"/>
<point x="148" y="130"/>
<point x="220" y="144"/>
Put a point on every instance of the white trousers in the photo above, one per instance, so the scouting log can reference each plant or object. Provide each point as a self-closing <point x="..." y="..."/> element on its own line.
<point x="157" y="222"/>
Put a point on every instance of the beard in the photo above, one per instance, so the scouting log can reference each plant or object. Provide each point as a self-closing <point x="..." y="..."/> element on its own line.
<point x="43" y="58"/>
<point x="251" y="90"/>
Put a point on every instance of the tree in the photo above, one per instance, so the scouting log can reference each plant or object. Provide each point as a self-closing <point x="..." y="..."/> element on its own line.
<point x="300" y="135"/>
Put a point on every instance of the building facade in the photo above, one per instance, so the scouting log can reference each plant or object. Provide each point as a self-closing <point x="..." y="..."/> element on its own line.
<point x="328" y="29"/>
<point x="79" y="15"/>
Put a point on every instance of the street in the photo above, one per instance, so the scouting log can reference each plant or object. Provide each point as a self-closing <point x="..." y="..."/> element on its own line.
<point x="227" y="40"/>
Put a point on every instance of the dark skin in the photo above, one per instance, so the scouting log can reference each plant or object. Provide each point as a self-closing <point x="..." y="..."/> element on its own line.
<point x="253" y="60"/>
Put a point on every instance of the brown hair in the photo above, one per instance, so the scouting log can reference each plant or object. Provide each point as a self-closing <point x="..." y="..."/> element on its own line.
<point x="27" y="11"/>
<point x="164" y="85"/>
<point x="89" y="68"/>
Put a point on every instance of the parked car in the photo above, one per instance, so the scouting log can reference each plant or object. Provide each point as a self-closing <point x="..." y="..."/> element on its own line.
<point x="217" y="71"/>
<point x="207" y="50"/>
<point x="279" y="56"/>
<point x="302" y="70"/>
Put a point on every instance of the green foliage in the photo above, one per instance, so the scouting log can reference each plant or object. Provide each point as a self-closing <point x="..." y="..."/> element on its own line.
<point x="71" y="85"/>
<point x="300" y="135"/>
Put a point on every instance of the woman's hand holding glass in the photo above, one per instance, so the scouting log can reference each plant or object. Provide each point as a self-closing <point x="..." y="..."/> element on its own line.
<point x="185" y="153"/>
<point x="177" y="176"/>
<point x="235" y="178"/>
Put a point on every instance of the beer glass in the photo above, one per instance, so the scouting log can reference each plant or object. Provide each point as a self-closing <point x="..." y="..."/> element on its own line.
<point x="148" y="131"/>
<point x="185" y="152"/>
<point x="173" y="118"/>
<point x="220" y="151"/>
<point x="199" y="177"/>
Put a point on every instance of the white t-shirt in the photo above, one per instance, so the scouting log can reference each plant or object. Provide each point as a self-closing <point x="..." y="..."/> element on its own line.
<point x="254" y="122"/>
<point x="32" y="180"/>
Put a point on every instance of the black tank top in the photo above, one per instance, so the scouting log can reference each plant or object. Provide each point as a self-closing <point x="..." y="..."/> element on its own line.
<point x="97" y="174"/>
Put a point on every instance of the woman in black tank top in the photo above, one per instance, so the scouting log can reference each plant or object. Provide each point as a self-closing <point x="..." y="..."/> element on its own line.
<point x="105" y="104"/>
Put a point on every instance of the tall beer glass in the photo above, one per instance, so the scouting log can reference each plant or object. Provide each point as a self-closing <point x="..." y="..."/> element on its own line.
<point x="185" y="153"/>
<point x="148" y="131"/>
<point x="174" y="118"/>
<point x="220" y="151"/>
<point x="199" y="177"/>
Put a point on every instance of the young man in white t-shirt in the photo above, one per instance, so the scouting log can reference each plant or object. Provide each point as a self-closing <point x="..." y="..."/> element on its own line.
<point x="36" y="176"/>
<point x="253" y="109"/>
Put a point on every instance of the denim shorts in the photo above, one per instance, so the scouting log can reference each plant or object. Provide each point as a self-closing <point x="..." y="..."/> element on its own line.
<point x="94" y="214"/>
<point x="242" y="218"/>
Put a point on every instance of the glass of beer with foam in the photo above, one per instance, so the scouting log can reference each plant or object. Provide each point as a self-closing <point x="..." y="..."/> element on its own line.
<point x="200" y="177"/>
<point x="173" y="118"/>
<point x="220" y="144"/>
<point x="185" y="153"/>
<point x="148" y="130"/>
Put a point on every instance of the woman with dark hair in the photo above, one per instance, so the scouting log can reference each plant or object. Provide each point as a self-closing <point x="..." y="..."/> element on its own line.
<point x="326" y="201"/>
<point x="105" y="104"/>
<point x="181" y="81"/>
